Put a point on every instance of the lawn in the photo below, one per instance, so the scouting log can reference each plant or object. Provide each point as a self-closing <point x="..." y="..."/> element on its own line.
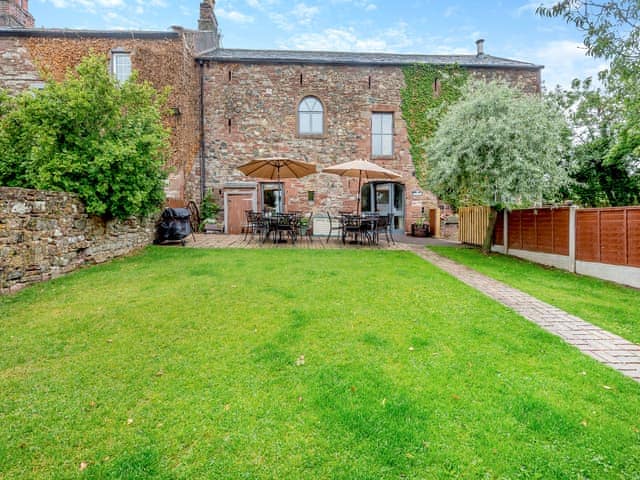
<point x="284" y="364"/>
<point x="613" y="307"/>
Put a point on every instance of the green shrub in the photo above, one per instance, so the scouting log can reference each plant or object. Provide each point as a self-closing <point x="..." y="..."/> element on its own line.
<point x="89" y="135"/>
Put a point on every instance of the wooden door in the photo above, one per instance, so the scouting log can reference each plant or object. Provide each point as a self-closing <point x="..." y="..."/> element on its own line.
<point x="237" y="205"/>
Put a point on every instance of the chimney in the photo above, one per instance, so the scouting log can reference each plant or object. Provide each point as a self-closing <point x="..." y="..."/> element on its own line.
<point x="480" y="46"/>
<point x="207" y="21"/>
<point x="15" y="14"/>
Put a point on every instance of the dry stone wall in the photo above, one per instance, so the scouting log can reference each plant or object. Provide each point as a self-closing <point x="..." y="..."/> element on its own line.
<point x="46" y="234"/>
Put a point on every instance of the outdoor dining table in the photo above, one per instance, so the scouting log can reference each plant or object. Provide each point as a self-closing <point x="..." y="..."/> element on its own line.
<point x="360" y="227"/>
<point x="277" y="224"/>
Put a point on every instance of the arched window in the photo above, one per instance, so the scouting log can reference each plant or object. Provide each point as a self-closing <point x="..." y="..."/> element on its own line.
<point x="310" y="117"/>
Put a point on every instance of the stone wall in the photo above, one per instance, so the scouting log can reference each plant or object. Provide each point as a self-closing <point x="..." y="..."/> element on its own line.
<point x="251" y="111"/>
<point x="46" y="234"/>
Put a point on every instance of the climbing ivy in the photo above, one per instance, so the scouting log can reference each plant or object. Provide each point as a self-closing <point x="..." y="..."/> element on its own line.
<point x="429" y="91"/>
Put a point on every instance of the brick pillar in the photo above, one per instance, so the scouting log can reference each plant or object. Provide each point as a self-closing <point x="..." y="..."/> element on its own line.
<point x="207" y="20"/>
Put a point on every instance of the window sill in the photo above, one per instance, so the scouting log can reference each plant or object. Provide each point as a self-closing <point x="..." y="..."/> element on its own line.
<point x="312" y="136"/>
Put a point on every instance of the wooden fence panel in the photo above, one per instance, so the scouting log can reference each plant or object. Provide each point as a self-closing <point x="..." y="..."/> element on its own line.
<point x="613" y="238"/>
<point x="528" y="229"/>
<point x="633" y="237"/>
<point x="544" y="229"/>
<point x="608" y="235"/>
<point x="515" y="229"/>
<point x="561" y="231"/>
<point x="473" y="224"/>
<point x="498" y="233"/>
<point x="588" y="235"/>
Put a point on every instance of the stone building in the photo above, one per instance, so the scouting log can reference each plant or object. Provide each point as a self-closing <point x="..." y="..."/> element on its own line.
<point x="232" y="106"/>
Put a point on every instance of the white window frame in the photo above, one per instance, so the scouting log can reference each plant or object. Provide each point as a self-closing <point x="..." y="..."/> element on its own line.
<point x="381" y="134"/>
<point x="121" y="71"/>
<point x="306" y="117"/>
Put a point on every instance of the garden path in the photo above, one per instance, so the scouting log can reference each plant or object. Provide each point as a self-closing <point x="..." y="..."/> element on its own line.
<point x="600" y="344"/>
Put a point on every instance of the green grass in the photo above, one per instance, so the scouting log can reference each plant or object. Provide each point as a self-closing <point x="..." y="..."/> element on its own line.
<point x="184" y="364"/>
<point x="613" y="307"/>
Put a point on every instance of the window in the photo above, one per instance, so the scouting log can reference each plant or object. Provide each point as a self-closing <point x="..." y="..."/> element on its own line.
<point x="310" y="117"/>
<point x="121" y="66"/>
<point x="382" y="134"/>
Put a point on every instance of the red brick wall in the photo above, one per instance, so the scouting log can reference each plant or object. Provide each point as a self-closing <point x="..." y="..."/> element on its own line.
<point x="14" y="13"/>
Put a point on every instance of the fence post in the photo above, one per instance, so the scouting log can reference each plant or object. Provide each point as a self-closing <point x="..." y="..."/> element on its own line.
<point x="572" y="238"/>
<point x="505" y="239"/>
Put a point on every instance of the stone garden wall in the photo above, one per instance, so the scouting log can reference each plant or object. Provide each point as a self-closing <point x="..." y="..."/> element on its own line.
<point x="46" y="234"/>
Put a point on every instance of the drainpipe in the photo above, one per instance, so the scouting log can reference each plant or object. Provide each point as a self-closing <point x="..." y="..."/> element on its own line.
<point x="203" y="173"/>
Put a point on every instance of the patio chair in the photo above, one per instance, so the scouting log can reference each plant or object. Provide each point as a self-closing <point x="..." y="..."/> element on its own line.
<point x="255" y="224"/>
<point x="307" y="230"/>
<point x="351" y="225"/>
<point x="335" y="225"/>
<point x="385" y="224"/>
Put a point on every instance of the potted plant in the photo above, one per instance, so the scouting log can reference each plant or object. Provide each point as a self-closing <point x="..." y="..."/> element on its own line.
<point x="420" y="228"/>
<point x="303" y="226"/>
<point x="209" y="210"/>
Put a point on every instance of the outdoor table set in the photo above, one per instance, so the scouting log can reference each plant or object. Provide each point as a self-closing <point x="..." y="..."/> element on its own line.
<point x="365" y="227"/>
<point x="277" y="226"/>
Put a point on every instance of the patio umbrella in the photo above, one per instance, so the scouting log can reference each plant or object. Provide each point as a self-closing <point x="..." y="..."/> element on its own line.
<point x="277" y="168"/>
<point x="361" y="168"/>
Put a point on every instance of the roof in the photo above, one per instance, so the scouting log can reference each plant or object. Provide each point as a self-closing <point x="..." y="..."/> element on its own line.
<point x="356" y="58"/>
<point x="68" y="33"/>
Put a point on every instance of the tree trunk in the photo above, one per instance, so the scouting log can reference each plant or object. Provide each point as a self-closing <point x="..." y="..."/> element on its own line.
<point x="491" y="227"/>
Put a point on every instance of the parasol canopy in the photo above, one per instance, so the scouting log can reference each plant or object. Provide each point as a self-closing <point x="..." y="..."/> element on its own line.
<point x="277" y="168"/>
<point x="360" y="169"/>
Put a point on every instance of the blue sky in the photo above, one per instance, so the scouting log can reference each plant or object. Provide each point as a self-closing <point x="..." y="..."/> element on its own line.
<point x="510" y="27"/>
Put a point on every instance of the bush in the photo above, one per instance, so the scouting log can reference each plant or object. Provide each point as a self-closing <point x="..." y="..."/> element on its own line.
<point x="89" y="135"/>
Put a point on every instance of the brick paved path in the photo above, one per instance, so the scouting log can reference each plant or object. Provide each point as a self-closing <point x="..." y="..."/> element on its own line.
<point x="604" y="346"/>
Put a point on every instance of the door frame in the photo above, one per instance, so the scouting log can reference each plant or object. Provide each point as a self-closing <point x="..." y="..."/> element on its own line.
<point x="392" y="193"/>
<point x="247" y="188"/>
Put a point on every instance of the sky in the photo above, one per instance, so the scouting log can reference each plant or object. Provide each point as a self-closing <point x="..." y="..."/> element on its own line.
<point x="511" y="28"/>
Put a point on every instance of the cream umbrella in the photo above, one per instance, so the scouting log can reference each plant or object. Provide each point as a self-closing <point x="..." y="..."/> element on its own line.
<point x="360" y="169"/>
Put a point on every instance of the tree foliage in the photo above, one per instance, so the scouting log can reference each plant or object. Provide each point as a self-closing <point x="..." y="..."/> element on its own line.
<point x="602" y="176"/>
<point x="612" y="31"/>
<point x="89" y="135"/>
<point x="498" y="146"/>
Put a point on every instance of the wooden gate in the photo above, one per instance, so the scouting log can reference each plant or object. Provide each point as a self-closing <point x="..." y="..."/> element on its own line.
<point x="473" y="224"/>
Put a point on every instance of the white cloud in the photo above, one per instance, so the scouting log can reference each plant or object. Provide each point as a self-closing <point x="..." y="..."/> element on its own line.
<point x="304" y="13"/>
<point x="346" y="39"/>
<point x="530" y="7"/>
<point x="88" y="4"/>
<point x="234" y="16"/>
<point x="451" y="11"/>
<point x="564" y="60"/>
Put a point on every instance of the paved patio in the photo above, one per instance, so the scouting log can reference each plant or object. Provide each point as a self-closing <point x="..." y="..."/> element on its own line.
<point x="600" y="344"/>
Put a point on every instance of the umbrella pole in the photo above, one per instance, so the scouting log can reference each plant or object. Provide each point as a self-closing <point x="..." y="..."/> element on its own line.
<point x="281" y="199"/>
<point x="359" y="188"/>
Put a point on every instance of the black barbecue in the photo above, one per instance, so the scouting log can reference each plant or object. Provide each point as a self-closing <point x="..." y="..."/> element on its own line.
<point x="174" y="225"/>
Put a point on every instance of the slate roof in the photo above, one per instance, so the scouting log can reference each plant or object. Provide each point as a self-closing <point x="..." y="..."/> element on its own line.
<point x="356" y="58"/>
<point x="69" y="33"/>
